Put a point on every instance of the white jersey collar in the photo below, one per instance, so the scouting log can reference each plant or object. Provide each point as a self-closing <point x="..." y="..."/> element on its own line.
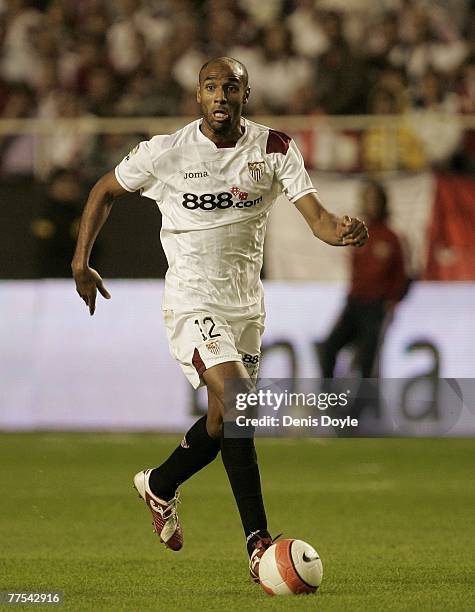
<point x="202" y="138"/>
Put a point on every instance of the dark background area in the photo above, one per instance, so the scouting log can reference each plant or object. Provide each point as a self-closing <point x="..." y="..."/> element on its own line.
<point x="129" y="245"/>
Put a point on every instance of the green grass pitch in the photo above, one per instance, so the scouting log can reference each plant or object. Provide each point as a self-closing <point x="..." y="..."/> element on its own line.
<point x="393" y="520"/>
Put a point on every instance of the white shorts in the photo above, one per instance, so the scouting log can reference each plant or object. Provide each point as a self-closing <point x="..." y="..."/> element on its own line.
<point x="200" y="340"/>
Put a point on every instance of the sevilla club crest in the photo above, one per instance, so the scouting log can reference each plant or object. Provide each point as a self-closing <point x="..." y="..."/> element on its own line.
<point x="256" y="170"/>
<point x="213" y="347"/>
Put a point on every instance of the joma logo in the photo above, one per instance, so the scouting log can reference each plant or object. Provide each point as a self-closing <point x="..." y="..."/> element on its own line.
<point x="189" y="175"/>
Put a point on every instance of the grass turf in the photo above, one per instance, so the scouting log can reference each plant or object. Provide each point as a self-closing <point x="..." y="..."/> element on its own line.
<point x="393" y="521"/>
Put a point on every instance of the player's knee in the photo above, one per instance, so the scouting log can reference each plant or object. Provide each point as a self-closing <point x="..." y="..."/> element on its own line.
<point x="214" y="424"/>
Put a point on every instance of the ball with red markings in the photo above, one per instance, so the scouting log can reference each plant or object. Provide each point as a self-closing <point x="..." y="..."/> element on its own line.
<point x="290" y="567"/>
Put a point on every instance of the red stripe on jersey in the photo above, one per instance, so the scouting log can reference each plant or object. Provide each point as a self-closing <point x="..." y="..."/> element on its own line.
<point x="277" y="142"/>
<point x="198" y="362"/>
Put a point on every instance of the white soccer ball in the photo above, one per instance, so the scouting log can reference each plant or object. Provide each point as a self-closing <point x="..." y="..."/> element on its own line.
<point x="290" y="567"/>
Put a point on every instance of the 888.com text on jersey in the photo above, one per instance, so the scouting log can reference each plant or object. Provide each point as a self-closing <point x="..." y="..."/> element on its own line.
<point x="220" y="201"/>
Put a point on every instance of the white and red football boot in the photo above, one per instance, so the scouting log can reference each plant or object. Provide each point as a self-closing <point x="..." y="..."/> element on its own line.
<point x="260" y="547"/>
<point x="165" y="519"/>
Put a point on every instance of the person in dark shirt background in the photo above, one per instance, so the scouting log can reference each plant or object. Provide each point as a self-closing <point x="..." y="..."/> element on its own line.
<point x="56" y="226"/>
<point x="378" y="283"/>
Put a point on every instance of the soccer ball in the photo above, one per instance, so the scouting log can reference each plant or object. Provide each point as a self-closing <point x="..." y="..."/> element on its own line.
<point x="290" y="567"/>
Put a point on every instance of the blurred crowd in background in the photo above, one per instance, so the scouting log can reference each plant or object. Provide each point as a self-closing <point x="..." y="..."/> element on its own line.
<point x="140" y="58"/>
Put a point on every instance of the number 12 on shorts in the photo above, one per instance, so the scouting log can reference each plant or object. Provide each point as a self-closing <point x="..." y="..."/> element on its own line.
<point x="206" y="327"/>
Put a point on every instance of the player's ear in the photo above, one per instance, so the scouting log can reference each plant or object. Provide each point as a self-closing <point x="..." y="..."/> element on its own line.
<point x="198" y="94"/>
<point x="246" y="95"/>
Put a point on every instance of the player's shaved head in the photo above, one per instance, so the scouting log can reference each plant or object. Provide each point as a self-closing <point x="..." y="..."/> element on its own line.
<point x="236" y="66"/>
<point x="222" y="92"/>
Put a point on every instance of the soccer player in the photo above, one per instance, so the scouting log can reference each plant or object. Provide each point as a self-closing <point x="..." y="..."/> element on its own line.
<point x="214" y="181"/>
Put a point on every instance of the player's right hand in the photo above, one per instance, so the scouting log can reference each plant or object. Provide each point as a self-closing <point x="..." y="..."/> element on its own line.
<point x="88" y="281"/>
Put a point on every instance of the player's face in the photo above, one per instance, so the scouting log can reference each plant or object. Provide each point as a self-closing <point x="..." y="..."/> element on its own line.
<point x="221" y="94"/>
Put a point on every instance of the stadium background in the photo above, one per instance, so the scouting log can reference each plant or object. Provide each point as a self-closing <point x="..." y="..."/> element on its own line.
<point x="383" y="89"/>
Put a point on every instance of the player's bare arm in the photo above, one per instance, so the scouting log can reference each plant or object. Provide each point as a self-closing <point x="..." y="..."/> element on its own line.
<point x="96" y="211"/>
<point x="337" y="231"/>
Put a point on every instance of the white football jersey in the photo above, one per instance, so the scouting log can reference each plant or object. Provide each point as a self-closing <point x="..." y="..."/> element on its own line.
<point x="214" y="204"/>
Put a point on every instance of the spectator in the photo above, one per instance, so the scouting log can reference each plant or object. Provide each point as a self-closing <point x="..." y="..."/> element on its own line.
<point x="76" y="65"/>
<point x="340" y="74"/>
<point x="432" y="95"/>
<point x="101" y="92"/>
<point x="280" y="72"/>
<point x="188" y="52"/>
<point x="382" y="37"/>
<point x="166" y="94"/>
<point x="308" y="35"/>
<point x="393" y="80"/>
<point x="66" y="146"/>
<point x="56" y="226"/>
<point x="137" y="100"/>
<point x="390" y="145"/>
<point x="222" y="31"/>
<point x="133" y="32"/>
<point x="428" y="47"/>
<point x="19" y="60"/>
<point x="17" y="151"/>
<point x="378" y="283"/>
<point x="95" y="23"/>
<point x="263" y="12"/>
<point x="466" y="87"/>
<point x="465" y="158"/>
<point x="440" y="139"/>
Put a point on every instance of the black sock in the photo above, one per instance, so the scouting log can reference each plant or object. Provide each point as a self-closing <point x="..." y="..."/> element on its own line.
<point x="240" y="461"/>
<point x="196" y="450"/>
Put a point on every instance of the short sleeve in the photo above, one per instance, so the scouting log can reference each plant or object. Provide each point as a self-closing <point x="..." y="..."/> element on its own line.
<point x="291" y="174"/>
<point x="135" y="171"/>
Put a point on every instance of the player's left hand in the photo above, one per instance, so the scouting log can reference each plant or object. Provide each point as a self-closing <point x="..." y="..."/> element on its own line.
<point x="352" y="231"/>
